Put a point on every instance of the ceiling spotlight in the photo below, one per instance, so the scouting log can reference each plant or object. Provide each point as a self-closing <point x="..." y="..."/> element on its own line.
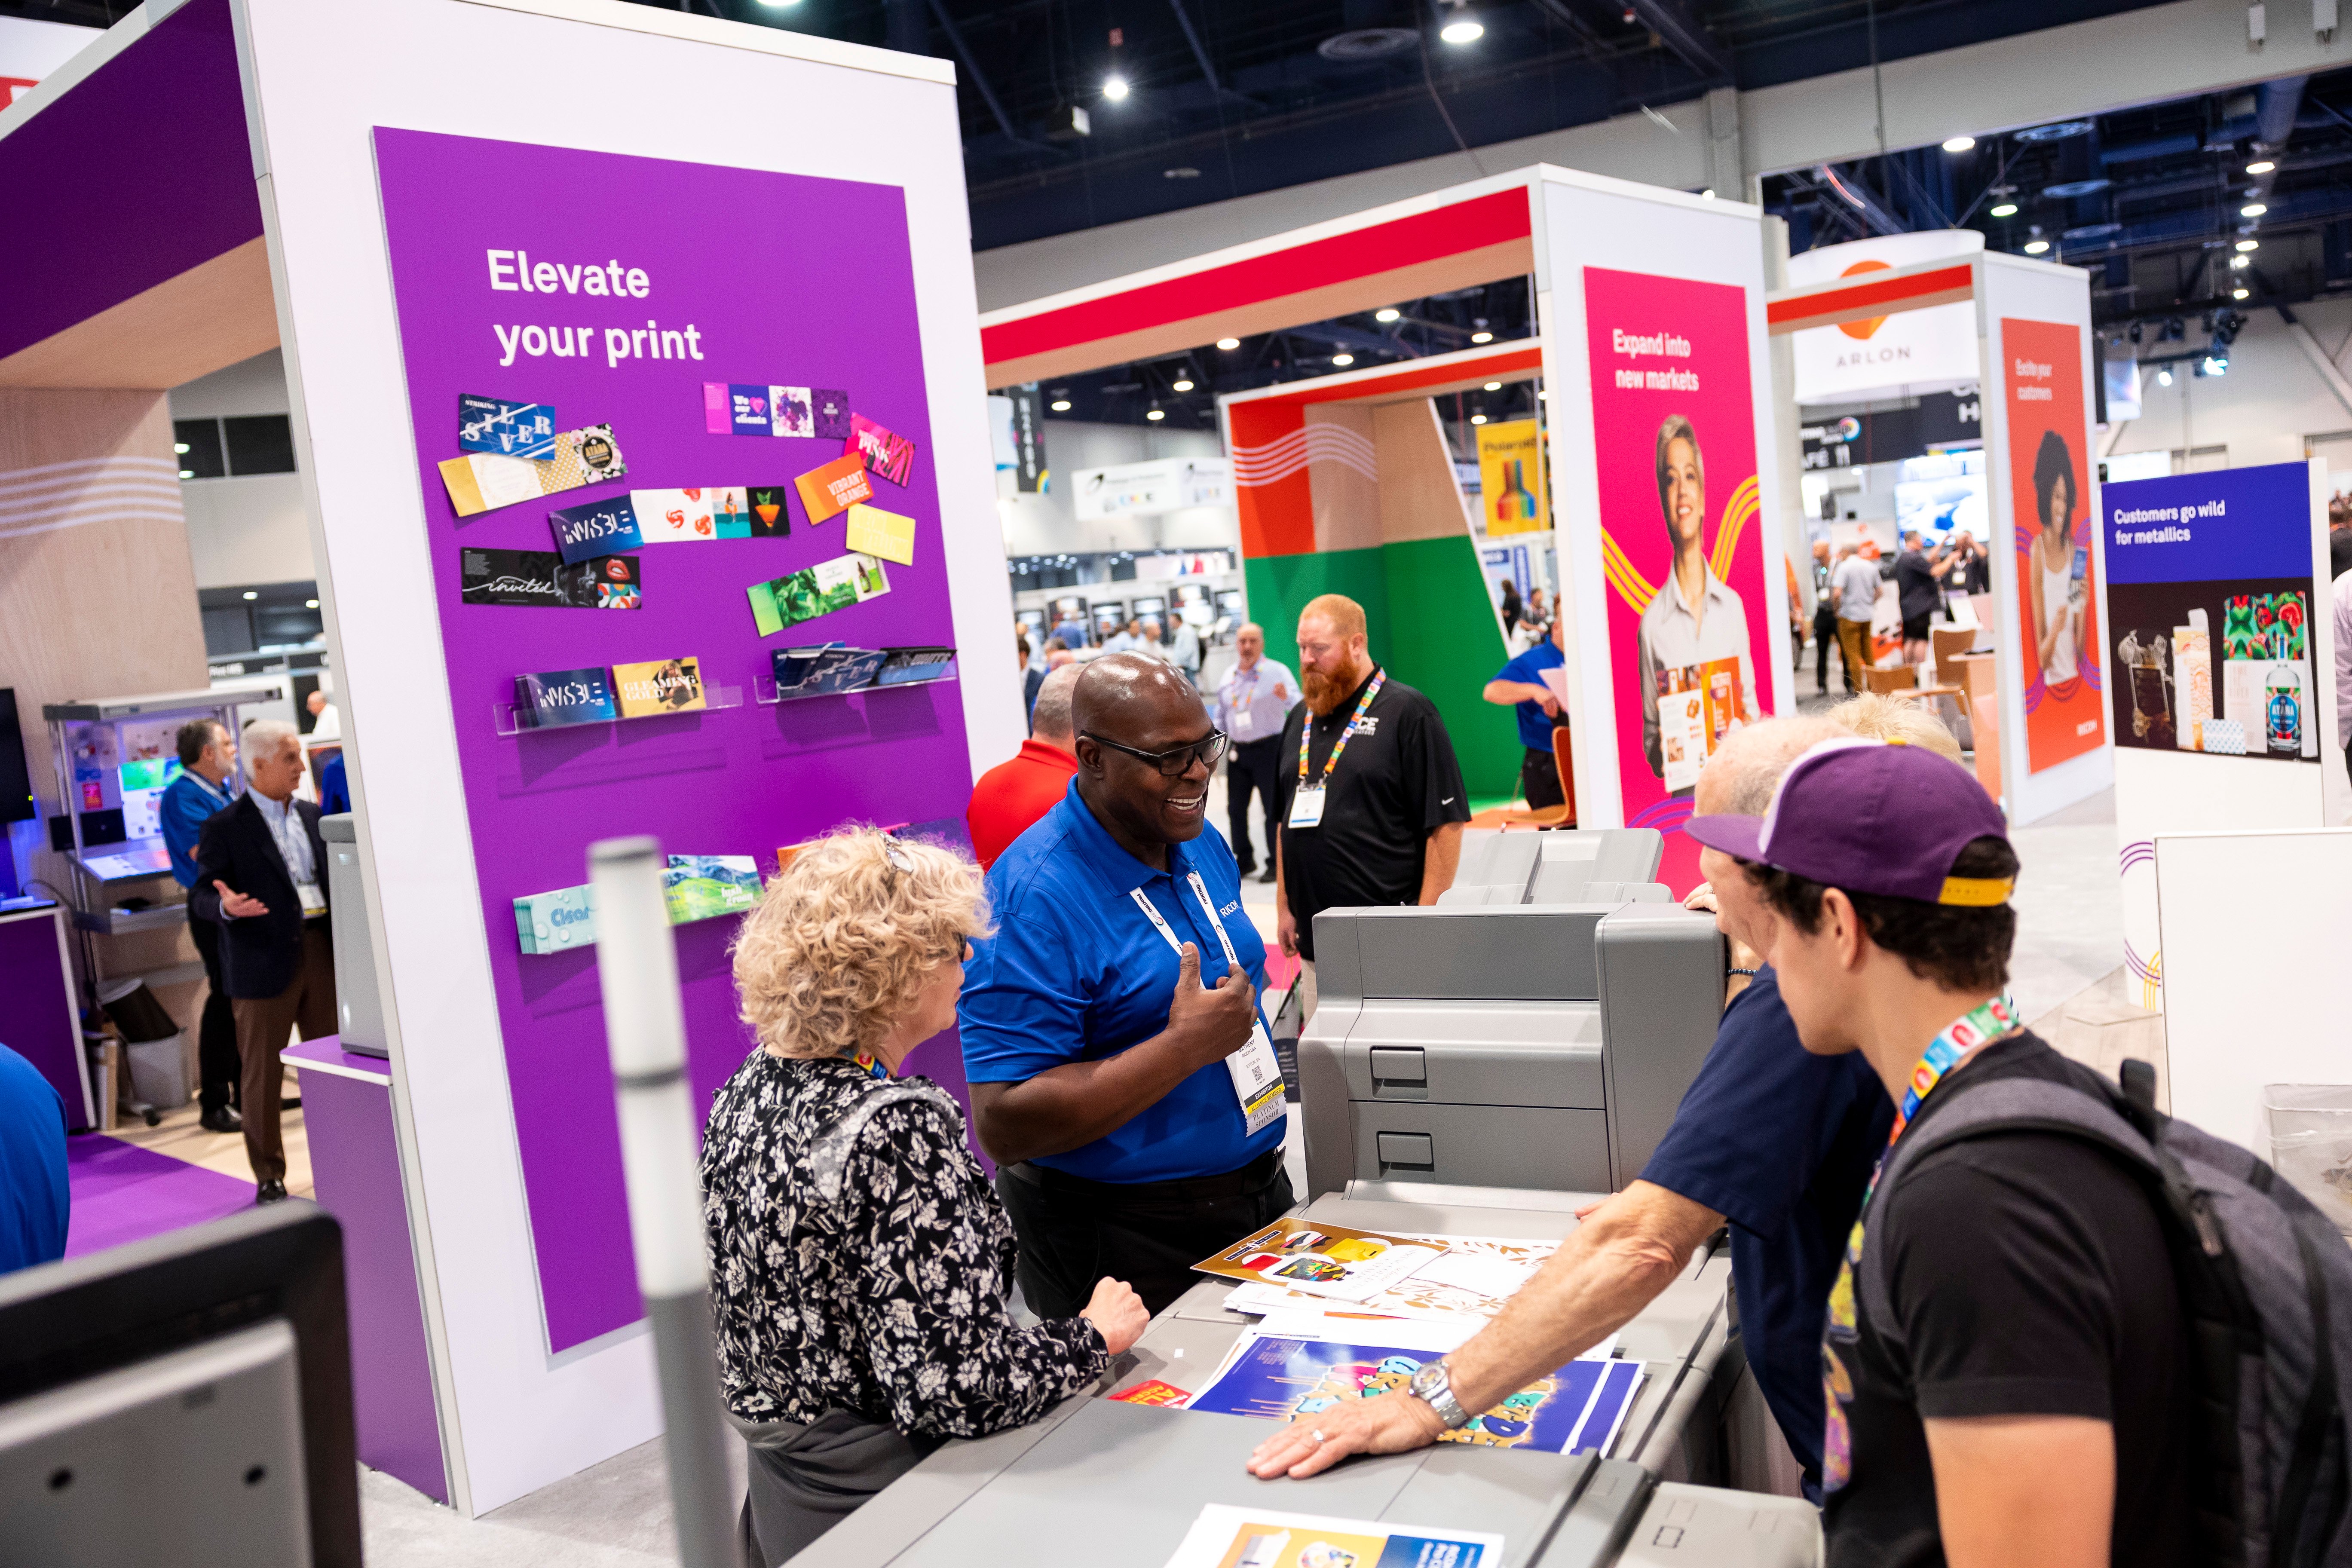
<point x="181" y="447"/>
<point x="778" y="4"/>
<point x="2261" y="166"/>
<point x="2252" y="209"/>
<point x="2246" y="245"/>
<point x="1960" y="144"/>
<point x="1115" y="87"/>
<point x="2002" y="209"/>
<point x="1181" y="171"/>
<point x="251" y="594"/>
<point x="2164" y="376"/>
<point x="1229" y="344"/>
<point x="1477" y="419"/>
<point x="1060" y="405"/>
<point x="2036" y="247"/>
<point x="1494" y="387"/>
<point x="2240" y="261"/>
<point x="2239" y="293"/>
<point x="1387" y="314"/>
<point x="2214" y="365"/>
<point x="1481" y="337"/>
<point x="1343" y="359"/>
<point x="1183" y="384"/>
<point x="1155" y="413"/>
<point x="310" y="603"/>
<point x="1708" y="194"/>
<point x="1463" y="29"/>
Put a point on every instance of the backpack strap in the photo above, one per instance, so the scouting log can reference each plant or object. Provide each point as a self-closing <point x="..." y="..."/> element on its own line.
<point x="828" y="1157"/>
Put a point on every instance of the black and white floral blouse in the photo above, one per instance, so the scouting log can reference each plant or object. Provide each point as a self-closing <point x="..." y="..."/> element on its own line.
<point x="860" y="1259"/>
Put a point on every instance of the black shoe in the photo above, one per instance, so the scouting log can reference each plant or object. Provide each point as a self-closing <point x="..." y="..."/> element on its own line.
<point x="221" y="1119"/>
<point x="291" y="1102"/>
<point x="272" y="1192"/>
<point x="1266" y="875"/>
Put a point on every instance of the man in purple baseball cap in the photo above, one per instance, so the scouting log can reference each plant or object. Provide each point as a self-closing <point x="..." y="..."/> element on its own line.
<point x="2023" y="1393"/>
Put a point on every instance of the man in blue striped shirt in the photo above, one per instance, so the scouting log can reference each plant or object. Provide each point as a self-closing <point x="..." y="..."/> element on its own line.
<point x="207" y="764"/>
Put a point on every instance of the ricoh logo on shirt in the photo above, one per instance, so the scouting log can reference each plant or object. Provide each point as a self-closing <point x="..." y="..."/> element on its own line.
<point x="1232" y="907"/>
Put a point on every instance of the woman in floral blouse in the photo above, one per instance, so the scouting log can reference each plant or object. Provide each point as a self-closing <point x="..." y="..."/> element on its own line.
<point x="859" y="1258"/>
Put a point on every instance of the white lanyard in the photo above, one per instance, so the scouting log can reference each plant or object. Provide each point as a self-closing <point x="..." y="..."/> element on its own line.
<point x="1256" y="1075"/>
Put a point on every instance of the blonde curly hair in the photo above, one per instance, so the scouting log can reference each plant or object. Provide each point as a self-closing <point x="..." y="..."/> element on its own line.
<point x="1874" y="716"/>
<point x="844" y="936"/>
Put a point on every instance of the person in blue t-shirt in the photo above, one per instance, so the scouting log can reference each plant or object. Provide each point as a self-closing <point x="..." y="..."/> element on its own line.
<point x="35" y="1201"/>
<point x="207" y="771"/>
<point x="1777" y="1141"/>
<point x="1098" y="1020"/>
<point x="1520" y="684"/>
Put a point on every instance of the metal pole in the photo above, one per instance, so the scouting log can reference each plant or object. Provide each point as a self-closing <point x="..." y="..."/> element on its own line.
<point x="636" y="966"/>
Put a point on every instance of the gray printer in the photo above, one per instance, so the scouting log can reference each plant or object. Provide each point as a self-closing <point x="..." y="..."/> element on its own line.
<point x="1536" y="1028"/>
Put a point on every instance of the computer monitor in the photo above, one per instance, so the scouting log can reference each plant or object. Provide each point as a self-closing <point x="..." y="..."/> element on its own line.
<point x="15" y="777"/>
<point x="183" y="1400"/>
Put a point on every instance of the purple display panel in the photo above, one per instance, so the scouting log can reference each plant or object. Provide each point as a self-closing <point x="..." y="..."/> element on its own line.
<point x="355" y="1176"/>
<point x="781" y="280"/>
<point x="37" y="1003"/>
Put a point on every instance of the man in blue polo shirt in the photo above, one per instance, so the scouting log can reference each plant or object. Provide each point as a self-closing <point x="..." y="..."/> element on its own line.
<point x="1775" y="1140"/>
<point x="207" y="762"/>
<point x="1121" y="1074"/>
<point x="1520" y="684"/>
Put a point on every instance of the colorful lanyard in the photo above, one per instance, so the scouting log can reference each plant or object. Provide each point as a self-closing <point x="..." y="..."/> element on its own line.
<point x="1240" y="700"/>
<point x="1306" y="733"/>
<point x="872" y="1065"/>
<point x="1994" y="1020"/>
<point x="1159" y="923"/>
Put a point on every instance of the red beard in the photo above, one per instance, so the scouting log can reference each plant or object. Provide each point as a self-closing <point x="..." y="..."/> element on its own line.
<point x="1325" y="692"/>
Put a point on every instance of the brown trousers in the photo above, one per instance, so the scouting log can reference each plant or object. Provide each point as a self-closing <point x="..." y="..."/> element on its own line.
<point x="1853" y="641"/>
<point x="262" y="1025"/>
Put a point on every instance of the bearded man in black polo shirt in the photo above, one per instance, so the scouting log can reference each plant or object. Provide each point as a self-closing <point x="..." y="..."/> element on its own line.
<point x="1369" y="794"/>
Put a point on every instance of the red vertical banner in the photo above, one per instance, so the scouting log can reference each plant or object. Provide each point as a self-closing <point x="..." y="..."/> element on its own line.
<point x="1690" y="611"/>
<point x="2049" y="497"/>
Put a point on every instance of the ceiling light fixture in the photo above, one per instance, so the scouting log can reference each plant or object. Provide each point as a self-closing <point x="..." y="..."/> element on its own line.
<point x="2246" y="245"/>
<point x="2164" y="376"/>
<point x="2036" y="247"/>
<point x="1343" y="359"/>
<point x="1960" y="144"/>
<point x="1155" y="413"/>
<point x="1229" y="344"/>
<point x="2002" y="209"/>
<point x="179" y="446"/>
<point x="1115" y="87"/>
<point x="2239" y="293"/>
<point x="187" y="473"/>
<point x="1494" y="387"/>
<point x="1463" y="29"/>
<point x="2241" y="261"/>
<point x="1387" y="314"/>
<point x="1708" y="194"/>
<point x="1481" y="337"/>
<point x="1477" y="419"/>
<point x="1183" y="384"/>
<point x="251" y="594"/>
<point x="2253" y="209"/>
<point x="778" y="4"/>
<point x="1060" y="405"/>
<point x="310" y="603"/>
<point x="2261" y="166"/>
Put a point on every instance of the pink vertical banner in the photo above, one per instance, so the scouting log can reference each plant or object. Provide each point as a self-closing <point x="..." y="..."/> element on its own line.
<point x="1682" y="549"/>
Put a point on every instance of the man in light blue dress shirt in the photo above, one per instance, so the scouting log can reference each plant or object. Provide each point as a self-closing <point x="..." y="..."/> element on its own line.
<point x="1251" y="703"/>
<point x="207" y="754"/>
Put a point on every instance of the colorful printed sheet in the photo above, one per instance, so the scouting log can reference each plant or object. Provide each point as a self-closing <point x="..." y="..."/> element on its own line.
<point x="1226" y="1537"/>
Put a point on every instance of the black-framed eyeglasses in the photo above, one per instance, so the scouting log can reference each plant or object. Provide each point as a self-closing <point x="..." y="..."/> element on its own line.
<point x="1176" y="760"/>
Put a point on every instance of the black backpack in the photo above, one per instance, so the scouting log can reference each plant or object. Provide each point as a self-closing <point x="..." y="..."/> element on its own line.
<point x="2266" y="1293"/>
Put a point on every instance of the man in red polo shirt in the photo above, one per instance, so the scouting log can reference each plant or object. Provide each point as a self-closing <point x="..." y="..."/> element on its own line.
<point x="1011" y="796"/>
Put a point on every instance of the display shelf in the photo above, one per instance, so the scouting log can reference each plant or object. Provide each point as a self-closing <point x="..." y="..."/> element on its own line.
<point x="764" y="689"/>
<point x="513" y="719"/>
<point x="122" y="922"/>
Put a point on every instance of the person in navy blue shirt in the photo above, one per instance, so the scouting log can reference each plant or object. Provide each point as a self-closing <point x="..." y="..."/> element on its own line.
<point x="35" y="1201"/>
<point x="1777" y="1141"/>
<point x="1098" y="1020"/>
<point x="1519" y="684"/>
<point x="207" y="764"/>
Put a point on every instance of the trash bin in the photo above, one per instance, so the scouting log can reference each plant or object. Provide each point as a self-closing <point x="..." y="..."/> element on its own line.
<point x="2311" y="1143"/>
<point x="152" y="1051"/>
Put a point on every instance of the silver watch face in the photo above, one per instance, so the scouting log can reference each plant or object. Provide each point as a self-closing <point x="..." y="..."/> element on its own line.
<point x="1430" y="1379"/>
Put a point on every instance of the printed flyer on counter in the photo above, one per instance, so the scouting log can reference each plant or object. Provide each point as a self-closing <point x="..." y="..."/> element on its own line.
<point x="1690" y="606"/>
<point x="1320" y="1259"/>
<point x="1228" y="1537"/>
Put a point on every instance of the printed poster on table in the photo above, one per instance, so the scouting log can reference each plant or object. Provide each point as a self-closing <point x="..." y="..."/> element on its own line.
<point x="1690" y="608"/>
<point x="2057" y="601"/>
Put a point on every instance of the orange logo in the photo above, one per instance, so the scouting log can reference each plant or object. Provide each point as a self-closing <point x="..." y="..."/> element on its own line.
<point x="1863" y="329"/>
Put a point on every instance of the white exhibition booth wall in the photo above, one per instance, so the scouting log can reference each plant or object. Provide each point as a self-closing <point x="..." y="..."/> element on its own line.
<point x="568" y="80"/>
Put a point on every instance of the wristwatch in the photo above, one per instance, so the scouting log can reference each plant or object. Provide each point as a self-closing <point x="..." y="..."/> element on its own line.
<point x="1432" y="1387"/>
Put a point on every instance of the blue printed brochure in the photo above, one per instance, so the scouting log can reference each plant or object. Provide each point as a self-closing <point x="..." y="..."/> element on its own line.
<point x="507" y="429"/>
<point x="564" y="697"/>
<point x="594" y="529"/>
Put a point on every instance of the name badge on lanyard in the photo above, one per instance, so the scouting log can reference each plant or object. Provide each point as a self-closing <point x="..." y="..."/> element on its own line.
<point x="1257" y="1076"/>
<point x="1306" y="803"/>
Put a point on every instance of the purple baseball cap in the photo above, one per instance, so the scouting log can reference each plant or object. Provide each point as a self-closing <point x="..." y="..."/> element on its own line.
<point x="1871" y="817"/>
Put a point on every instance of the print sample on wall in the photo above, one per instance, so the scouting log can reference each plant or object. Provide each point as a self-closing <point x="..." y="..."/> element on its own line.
<point x="2056" y="598"/>
<point x="1674" y="435"/>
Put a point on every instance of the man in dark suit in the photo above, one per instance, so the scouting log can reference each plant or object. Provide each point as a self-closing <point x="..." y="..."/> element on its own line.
<point x="262" y="871"/>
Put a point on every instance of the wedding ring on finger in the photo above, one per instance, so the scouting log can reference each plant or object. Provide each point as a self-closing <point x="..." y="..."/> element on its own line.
<point x="1316" y="1433"/>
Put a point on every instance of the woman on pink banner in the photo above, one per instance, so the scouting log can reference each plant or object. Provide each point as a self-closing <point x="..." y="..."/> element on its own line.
<point x="1695" y="622"/>
<point x="2053" y="583"/>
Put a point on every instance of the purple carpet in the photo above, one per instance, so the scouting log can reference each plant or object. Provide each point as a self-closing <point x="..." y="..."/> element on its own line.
<point x="123" y="1193"/>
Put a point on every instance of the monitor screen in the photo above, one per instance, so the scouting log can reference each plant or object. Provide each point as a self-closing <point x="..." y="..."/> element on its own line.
<point x="16" y="778"/>
<point x="143" y="784"/>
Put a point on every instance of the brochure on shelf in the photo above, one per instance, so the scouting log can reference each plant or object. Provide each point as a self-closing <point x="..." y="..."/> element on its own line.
<point x="825" y="669"/>
<point x="883" y="451"/>
<point x="505" y="429"/>
<point x="906" y="665"/>
<point x="883" y="535"/>
<point x="483" y="481"/>
<point x="557" y="922"/>
<point x="594" y="529"/>
<point x="1228" y="1537"/>
<point x="660" y="686"/>
<point x="542" y="578"/>
<point x="565" y="697"/>
<point x="831" y="490"/>
<point x="699" y="887"/>
<point x="1321" y="1259"/>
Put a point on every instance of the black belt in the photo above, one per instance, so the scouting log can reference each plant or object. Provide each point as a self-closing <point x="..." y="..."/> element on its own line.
<point x="1250" y="1180"/>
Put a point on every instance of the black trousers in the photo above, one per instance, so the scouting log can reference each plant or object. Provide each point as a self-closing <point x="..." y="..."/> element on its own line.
<point x="1074" y="1232"/>
<point x="218" y="1063"/>
<point x="1255" y="765"/>
<point x="1539" y="779"/>
<point x="1825" y="639"/>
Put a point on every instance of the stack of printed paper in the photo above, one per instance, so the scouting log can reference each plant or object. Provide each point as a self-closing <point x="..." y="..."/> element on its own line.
<point x="1227" y="1537"/>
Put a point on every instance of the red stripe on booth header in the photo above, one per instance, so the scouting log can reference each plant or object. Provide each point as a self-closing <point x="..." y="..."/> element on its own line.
<point x="1856" y="296"/>
<point x="1382" y="247"/>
